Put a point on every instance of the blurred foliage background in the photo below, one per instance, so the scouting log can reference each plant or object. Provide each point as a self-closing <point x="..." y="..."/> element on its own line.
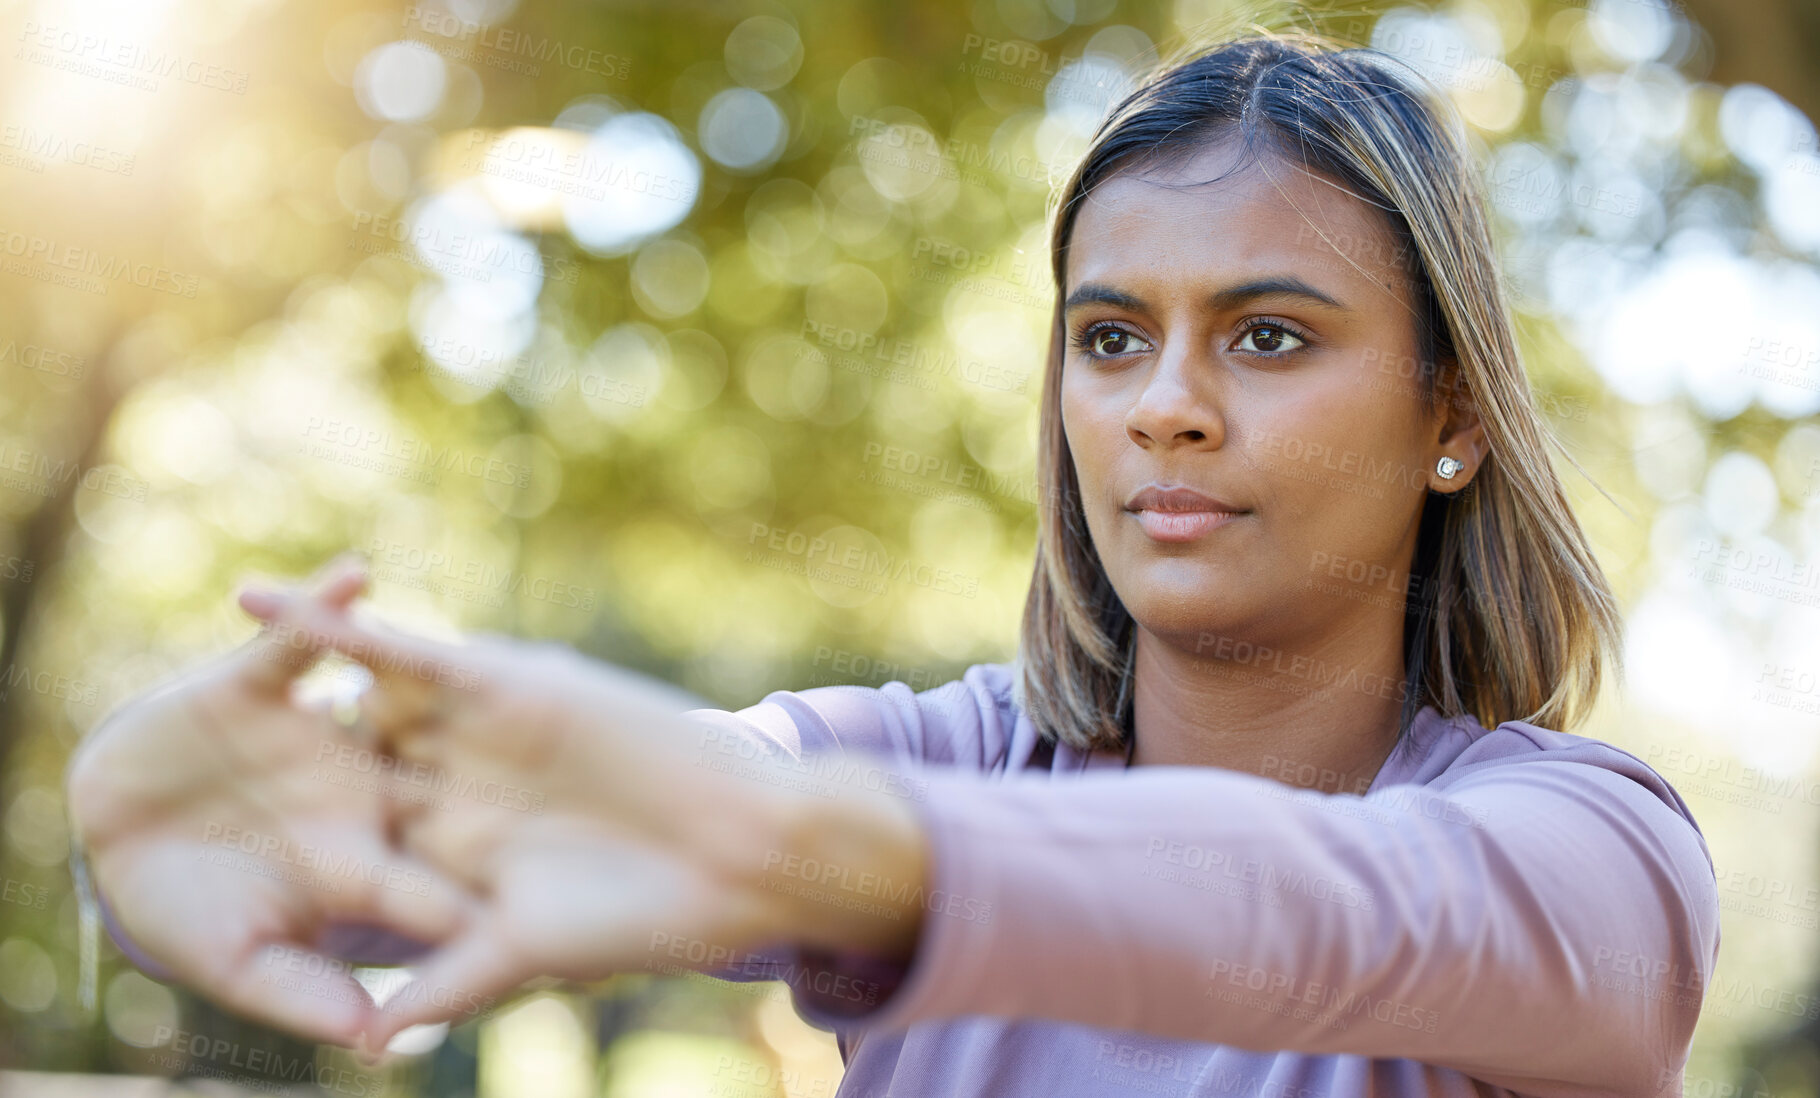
<point x="593" y="322"/>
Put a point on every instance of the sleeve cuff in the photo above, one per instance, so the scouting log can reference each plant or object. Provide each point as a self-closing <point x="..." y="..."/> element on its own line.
<point x="125" y="944"/>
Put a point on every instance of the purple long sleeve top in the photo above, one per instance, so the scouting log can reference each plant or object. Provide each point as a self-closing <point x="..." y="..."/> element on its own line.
<point x="1513" y="911"/>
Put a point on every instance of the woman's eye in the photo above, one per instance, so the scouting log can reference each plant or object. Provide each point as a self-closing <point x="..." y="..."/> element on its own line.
<point x="1269" y="339"/>
<point x="1114" y="341"/>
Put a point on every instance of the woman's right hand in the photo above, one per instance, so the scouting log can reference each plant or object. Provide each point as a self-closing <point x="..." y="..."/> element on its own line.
<point x="225" y="843"/>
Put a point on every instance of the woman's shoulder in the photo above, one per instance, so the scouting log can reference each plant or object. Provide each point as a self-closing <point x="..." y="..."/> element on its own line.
<point x="1457" y="748"/>
<point x="969" y="721"/>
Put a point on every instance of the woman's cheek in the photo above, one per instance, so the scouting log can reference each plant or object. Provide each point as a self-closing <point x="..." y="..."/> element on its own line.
<point x="1269" y="486"/>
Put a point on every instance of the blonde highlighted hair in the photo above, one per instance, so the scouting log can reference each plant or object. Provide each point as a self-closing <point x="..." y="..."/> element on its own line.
<point x="1509" y="540"/>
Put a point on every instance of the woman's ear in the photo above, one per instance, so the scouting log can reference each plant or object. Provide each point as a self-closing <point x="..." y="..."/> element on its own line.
<point x="1459" y="433"/>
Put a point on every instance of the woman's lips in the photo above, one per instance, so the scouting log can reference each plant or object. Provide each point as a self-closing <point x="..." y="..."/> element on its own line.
<point x="1182" y="525"/>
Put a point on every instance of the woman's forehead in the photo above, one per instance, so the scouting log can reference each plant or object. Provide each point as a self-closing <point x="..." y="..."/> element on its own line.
<point x="1213" y="213"/>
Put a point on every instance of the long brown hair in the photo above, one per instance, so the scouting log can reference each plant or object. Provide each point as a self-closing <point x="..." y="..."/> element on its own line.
<point x="1508" y="541"/>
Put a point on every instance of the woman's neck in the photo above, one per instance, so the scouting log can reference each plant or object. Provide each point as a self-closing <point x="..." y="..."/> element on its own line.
<point x="1323" y="720"/>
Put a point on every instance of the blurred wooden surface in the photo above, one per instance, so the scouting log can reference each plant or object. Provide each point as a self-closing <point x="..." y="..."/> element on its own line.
<point x="44" y="1084"/>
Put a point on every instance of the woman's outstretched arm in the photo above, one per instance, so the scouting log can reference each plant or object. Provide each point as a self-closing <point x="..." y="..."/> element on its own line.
<point x="1542" y="915"/>
<point x="1542" y="920"/>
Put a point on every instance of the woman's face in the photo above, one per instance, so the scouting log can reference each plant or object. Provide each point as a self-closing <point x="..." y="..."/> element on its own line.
<point x="1217" y="342"/>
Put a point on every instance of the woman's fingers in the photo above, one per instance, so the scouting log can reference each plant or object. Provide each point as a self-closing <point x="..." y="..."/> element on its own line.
<point x="400" y="659"/>
<point x="400" y="706"/>
<point x="337" y="583"/>
<point x="415" y="678"/>
<point x="340" y="581"/>
<point x="288" y="646"/>
<point x="220" y="919"/>
<point x="455" y="984"/>
<point x="381" y="885"/>
<point x="288" y="985"/>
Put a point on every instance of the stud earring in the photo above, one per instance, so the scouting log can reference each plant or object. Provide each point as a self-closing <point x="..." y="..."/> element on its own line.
<point x="1447" y="467"/>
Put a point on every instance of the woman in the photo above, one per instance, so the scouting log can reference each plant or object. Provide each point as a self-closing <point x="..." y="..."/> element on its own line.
<point x="1272" y="802"/>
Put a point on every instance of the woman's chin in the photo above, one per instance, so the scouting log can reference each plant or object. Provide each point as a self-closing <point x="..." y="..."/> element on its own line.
<point x="1193" y="623"/>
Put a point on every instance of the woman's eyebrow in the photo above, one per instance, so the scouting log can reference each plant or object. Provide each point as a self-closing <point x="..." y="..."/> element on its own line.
<point x="1099" y="293"/>
<point x="1276" y="286"/>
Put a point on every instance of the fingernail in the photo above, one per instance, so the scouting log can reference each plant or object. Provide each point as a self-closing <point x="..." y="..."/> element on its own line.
<point x="261" y="602"/>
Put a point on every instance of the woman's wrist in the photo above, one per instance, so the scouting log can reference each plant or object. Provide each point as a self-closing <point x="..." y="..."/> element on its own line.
<point x="847" y="873"/>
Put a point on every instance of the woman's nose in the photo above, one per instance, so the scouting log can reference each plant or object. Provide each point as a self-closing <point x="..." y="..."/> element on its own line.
<point x="1178" y="403"/>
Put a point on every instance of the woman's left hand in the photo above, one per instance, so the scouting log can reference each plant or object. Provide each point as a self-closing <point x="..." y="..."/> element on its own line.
<point x="225" y="851"/>
<point x="567" y="794"/>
